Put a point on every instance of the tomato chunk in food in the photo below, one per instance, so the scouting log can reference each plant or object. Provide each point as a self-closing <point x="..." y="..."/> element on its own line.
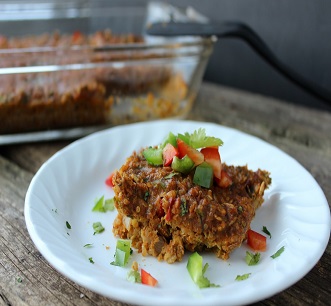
<point x="225" y="181"/>
<point x="256" y="241"/>
<point x="147" y="279"/>
<point x="169" y="152"/>
<point x="109" y="180"/>
<point x="213" y="158"/>
<point x="185" y="149"/>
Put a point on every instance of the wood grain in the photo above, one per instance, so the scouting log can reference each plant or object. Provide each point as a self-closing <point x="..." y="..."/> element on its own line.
<point x="28" y="279"/>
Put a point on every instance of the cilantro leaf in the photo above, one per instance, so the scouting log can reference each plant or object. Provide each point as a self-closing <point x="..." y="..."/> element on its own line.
<point x="91" y="260"/>
<point x="98" y="228"/>
<point x="243" y="276"/>
<point x="183" y="207"/>
<point x="134" y="276"/>
<point x="68" y="225"/>
<point x="252" y="259"/>
<point x="199" y="139"/>
<point x="265" y="230"/>
<point x="146" y="196"/>
<point x="278" y="253"/>
<point x="170" y="175"/>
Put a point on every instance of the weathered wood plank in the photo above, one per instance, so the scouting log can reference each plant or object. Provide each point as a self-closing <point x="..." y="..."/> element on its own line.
<point x="31" y="156"/>
<point x="26" y="277"/>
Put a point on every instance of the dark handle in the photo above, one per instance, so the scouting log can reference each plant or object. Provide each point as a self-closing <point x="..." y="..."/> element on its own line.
<point x="242" y="31"/>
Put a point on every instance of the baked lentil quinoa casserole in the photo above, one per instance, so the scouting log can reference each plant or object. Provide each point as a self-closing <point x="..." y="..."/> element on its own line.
<point x="65" y="98"/>
<point x="165" y="213"/>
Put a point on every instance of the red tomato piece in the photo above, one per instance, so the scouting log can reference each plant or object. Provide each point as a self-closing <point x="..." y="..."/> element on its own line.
<point x="213" y="158"/>
<point x="169" y="152"/>
<point x="109" y="180"/>
<point x="256" y="241"/>
<point x="147" y="279"/>
<point x="185" y="149"/>
<point x="168" y="215"/>
<point x="225" y="180"/>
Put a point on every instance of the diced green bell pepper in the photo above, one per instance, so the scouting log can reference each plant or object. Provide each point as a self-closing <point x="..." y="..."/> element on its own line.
<point x="197" y="271"/>
<point x="171" y="138"/>
<point x="153" y="156"/>
<point x="183" y="165"/>
<point x="203" y="175"/>
<point x="122" y="253"/>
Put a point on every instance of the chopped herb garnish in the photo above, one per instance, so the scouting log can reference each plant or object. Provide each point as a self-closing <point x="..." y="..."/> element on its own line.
<point x="243" y="277"/>
<point x="88" y="245"/>
<point x="122" y="253"/>
<point x="252" y="259"/>
<point x="278" y="253"/>
<point x="109" y="204"/>
<point x="102" y="205"/>
<point x="19" y="280"/>
<point x="170" y="175"/>
<point x="199" y="139"/>
<point x="240" y="209"/>
<point x="91" y="260"/>
<point x="200" y="215"/>
<point x="134" y="276"/>
<point x="68" y="225"/>
<point x="265" y="230"/>
<point x="98" y="228"/>
<point x="146" y="196"/>
<point x="183" y="207"/>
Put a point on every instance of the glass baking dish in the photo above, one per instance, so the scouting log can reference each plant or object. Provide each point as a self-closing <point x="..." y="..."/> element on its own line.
<point x="87" y="76"/>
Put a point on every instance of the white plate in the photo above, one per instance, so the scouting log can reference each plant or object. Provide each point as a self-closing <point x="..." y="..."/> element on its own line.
<point x="64" y="189"/>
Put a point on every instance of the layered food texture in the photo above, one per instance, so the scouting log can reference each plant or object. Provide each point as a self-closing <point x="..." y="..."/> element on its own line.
<point x="59" y="80"/>
<point x="201" y="206"/>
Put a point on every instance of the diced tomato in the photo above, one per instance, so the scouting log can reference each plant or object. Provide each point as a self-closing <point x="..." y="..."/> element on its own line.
<point x="109" y="180"/>
<point x="185" y="149"/>
<point x="168" y="214"/>
<point x="147" y="279"/>
<point x="169" y="152"/>
<point x="256" y="241"/>
<point x="213" y="158"/>
<point x="225" y="181"/>
<point x="159" y="210"/>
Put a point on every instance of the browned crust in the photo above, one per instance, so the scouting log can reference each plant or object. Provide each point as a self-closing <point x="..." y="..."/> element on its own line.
<point x="200" y="219"/>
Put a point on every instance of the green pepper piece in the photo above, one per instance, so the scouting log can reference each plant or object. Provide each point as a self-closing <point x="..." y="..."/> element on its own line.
<point x="183" y="165"/>
<point x="153" y="156"/>
<point x="197" y="270"/>
<point x="122" y="252"/>
<point x="171" y="138"/>
<point x="203" y="175"/>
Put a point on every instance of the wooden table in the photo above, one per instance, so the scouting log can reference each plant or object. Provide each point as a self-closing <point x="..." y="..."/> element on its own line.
<point x="28" y="279"/>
